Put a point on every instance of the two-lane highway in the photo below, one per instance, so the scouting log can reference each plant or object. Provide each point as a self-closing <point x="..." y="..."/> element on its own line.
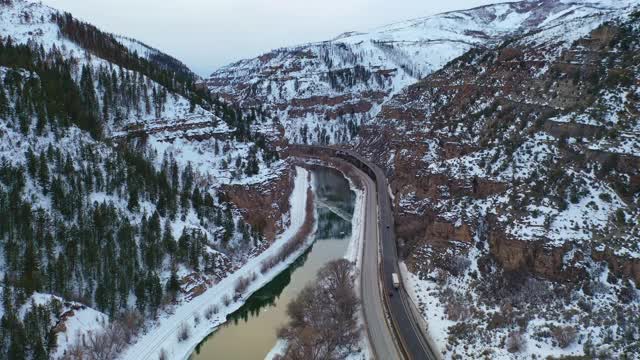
<point x="381" y="336"/>
<point x="413" y="338"/>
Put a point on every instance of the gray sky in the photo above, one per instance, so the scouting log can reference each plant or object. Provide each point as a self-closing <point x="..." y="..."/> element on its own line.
<point x="206" y="34"/>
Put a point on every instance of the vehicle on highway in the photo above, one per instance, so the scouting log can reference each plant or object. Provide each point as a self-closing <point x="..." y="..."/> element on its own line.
<point x="396" y="280"/>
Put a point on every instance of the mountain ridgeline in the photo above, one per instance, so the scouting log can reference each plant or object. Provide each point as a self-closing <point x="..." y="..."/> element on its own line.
<point x="515" y="175"/>
<point x="161" y="68"/>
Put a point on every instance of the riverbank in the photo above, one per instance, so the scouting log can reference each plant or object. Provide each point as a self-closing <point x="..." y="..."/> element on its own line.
<point x="163" y="337"/>
<point x="353" y="253"/>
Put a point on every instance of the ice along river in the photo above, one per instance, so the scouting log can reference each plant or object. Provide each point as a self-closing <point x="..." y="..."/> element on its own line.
<point x="251" y="332"/>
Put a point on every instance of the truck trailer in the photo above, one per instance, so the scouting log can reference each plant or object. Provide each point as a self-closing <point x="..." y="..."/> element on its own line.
<point x="396" y="280"/>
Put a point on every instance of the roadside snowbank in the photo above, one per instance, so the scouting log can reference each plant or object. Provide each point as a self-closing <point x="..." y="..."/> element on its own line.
<point x="434" y="313"/>
<point x="163" y="336"/>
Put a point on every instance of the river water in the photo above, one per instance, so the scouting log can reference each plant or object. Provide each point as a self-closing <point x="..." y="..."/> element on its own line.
<point x="251" y="332"/>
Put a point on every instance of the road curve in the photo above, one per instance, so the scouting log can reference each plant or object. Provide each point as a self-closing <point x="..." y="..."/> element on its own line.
<point x="379" y="262"/>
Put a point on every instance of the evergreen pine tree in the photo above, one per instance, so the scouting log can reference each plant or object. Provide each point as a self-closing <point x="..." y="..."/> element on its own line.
<point x="228" y="225"/>
<point x="89" y="120"/>
<point x="168" y="240"/>
<point x="52" y="341"/>
<point x="141" y="294"/>
<point x="39" y="353"/>
<point x="43" y="173"/>
<point x="4" y="104"/>
<point x="7" y="293"/>
<point x="133" y="204"/>
<point x="18" y="343"/>
<point x="32" y="162"/>
<point x="31" y="270"/>
<point x="154" y="289"/>
<point x="173" y="285"/>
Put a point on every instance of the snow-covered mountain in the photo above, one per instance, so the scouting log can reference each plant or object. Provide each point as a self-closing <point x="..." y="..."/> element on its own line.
<point x="510" y="137"/>
<point x="515" y="173"/>
<point x="26" y="21"/>
<point x="159" y="97"/>
<point x="509" y="133"/>
<point x="35" y="24"/>
<point x="321" y="92"/>
<point x="128" y="183"/>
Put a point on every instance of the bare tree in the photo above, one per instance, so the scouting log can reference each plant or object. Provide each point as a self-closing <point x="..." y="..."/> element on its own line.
<point x="515" y="342"/>
<point x="184" y="332"/>
<point x="459" y="265"/>
<point x="99" y="345"/>
<point x="226" y="300"/>
<point x="324" y="322"/>
<point x="210" y="311"/>
<point x="130" y="321"/>
<point x="163" y="355"/>
<point x="241" y="285"/>
<point x="564" y="335"/>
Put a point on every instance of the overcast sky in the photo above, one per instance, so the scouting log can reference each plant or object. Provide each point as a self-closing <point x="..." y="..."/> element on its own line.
<point x="207" y="34"/>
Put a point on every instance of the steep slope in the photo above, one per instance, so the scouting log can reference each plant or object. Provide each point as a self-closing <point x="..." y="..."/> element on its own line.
<point x="515" y="176"/>
<point x="322" y="92"/>
<point x="118" y="186"/>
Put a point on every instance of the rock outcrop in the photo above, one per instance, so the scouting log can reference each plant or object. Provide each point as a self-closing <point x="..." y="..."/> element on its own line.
<point x="263" y="205"/>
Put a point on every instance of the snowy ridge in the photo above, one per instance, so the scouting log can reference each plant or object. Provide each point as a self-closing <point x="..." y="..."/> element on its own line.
<point x="319" y="91"/>
<point x="27" y="22"/>
<point x="30" y="21"/>
<point x="138" y="47"/>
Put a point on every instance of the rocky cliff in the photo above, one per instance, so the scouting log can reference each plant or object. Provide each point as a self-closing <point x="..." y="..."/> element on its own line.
<point x="510" y="135"/>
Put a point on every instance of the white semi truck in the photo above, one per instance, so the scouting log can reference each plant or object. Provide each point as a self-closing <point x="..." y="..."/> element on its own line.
<point x="396" y="280"/>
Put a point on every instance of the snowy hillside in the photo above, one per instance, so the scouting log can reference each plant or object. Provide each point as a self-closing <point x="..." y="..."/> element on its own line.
<point x="27" y="21"/>
<point x="515" y="174"/>
<point x="322" y="92"/>
<point x="117" y="183"/>
<point x="32" y="23"/>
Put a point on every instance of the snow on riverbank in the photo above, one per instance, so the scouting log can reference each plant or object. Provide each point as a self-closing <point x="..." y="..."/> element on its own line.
<point x="278" y="350"/>
<point x="353" y="253"/>
<point x="163" y="337"/>
<point x="355" y="248"/>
